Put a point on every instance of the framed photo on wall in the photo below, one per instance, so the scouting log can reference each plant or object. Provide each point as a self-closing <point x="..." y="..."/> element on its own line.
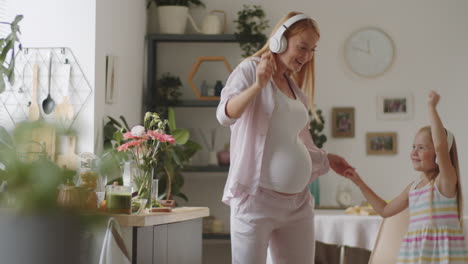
<point x="381" y="143"/>
<point x="343" y="122"/>
<point x="396" y="106"/>
<point x="111" y="77"/>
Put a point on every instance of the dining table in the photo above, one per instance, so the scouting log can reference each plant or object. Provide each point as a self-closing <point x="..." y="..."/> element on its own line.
<point x="335" y="227"/>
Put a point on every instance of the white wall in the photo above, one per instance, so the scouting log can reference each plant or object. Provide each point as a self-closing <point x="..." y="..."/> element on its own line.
<point x="64" y="23"/>
<point x="120" y="31"/>
<point x="431" y="53"/>
<point x="93" y="29"/>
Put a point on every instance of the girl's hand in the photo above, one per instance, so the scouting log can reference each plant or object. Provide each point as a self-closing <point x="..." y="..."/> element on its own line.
<point x="433" y="99"/>
<point x="352" y="175"/>
<point x="338" y="164"/>
<point x="265" y="69"/>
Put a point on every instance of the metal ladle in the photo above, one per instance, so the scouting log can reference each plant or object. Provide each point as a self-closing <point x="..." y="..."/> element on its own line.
<point x="48" y="104"/>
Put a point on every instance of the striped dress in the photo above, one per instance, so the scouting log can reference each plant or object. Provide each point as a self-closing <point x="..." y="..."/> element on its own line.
<point x="437" y="239"/>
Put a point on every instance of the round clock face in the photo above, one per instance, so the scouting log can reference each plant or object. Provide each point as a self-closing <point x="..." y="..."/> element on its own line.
<point x="369" y="52"/>
<point x="344" y="198"/>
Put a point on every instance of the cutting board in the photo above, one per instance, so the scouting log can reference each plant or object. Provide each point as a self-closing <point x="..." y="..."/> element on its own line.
<point x="34" y="110"/>
<point x="64" y="110"/>
<point x="69" y="159"/>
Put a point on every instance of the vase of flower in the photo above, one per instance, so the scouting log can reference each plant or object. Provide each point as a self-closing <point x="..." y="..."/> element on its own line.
<point x="143" y="180"/>
<point x="145" y="144"/>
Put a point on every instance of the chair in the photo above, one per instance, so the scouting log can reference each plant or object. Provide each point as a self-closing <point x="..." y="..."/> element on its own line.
<point x="388" y="241"/>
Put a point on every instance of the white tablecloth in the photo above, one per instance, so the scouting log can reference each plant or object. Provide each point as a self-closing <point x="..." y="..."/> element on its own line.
<point x="336" y="227"/>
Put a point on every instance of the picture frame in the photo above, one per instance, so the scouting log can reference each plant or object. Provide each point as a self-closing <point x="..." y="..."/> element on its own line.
<point x="111" y="77"/>
<point x="395" y="106"/>
<point x="343" y="122"/>
<point x="381" y="143"/>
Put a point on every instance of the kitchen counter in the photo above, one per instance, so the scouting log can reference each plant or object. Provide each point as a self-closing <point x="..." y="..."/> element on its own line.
<point x="178" y="214"/>
<point x="158" y="237"/>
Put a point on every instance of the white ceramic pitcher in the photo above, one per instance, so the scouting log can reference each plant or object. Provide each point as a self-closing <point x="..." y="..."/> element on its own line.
<point x="212" y="23"/>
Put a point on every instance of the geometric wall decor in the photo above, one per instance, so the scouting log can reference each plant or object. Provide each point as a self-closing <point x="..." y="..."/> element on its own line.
<point x="69" y="87"/>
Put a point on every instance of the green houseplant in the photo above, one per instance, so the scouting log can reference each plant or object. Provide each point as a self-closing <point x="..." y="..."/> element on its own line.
<point x="169" y="89"/>
<point x="251" y="23"/>
<point x="172" y="163"/>
<point x="8" y="47"/>
<point x="315" y="129"/>
<point x="30" y="206"/>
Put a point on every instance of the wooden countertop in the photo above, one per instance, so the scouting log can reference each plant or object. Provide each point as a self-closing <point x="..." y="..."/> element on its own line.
<point x="149" y="219"/>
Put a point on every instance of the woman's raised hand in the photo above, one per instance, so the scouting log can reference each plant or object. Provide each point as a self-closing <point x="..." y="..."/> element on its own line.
<point x="433" y="99"/>
<point x="265" y="69"/>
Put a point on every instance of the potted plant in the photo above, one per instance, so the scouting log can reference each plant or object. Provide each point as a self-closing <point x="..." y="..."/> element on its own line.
<point x="169" y="170"/>
<point x="251" y="23"/>
<point x="7" y="47"/>
<point x="316" y="126"/>
<point x="169" y="89"/>
<point x="30" y="208"/>
<point x="172" y="14"/>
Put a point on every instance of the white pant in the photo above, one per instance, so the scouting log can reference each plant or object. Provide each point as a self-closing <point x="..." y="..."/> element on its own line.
<point x="269" y="219"/>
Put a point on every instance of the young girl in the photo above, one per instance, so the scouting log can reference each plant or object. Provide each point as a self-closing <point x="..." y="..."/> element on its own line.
<point x="435" y="233"/>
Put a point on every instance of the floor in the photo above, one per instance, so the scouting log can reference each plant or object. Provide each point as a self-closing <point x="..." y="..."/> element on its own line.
<point x="219" y="252"/>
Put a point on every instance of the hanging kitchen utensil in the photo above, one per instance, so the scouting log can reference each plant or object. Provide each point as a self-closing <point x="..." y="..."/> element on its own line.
<point x="48" y="104"/>
<point x="34" y="111"/>
<point x="64" y="110"/>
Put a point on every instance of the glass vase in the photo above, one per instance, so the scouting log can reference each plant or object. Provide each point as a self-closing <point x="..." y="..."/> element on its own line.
<point x="143" y="181"/>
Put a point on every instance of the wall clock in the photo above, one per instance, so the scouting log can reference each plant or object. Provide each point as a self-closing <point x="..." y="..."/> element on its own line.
<point x="369" y="52"/>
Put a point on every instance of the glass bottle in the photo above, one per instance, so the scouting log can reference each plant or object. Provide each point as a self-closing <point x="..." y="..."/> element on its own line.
<point x="218" y="87"/>
<point x="204" y="88"/>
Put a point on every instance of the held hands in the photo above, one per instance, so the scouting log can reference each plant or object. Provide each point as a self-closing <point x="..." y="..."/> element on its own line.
<point x="352" y="175"/>
<point x="338" y="164"/>
<point x="433" y="99"/>
<point x="265" y="69"/>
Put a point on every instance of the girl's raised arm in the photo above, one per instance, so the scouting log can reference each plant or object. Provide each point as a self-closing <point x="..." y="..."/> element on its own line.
<point x="447" y="181"/>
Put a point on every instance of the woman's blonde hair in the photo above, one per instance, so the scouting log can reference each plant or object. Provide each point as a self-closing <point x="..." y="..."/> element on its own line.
<point x="305" y="78"/>
<point x="454" y="160"/>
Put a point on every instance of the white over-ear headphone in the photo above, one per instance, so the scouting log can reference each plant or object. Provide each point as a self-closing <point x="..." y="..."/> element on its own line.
<point x="278" y="42"/>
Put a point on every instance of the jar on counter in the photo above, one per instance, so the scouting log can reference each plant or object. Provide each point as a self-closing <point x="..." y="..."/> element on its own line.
<point x="118" y="199"/>
<point x="88" y="173"/>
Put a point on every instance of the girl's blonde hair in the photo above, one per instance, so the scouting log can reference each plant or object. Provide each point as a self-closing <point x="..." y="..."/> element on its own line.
<point x="305" y="78"/>
<point x="454" y="159"/>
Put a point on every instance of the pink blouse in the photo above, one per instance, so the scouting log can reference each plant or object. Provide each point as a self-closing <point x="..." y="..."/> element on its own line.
<point x="248" y="133"/>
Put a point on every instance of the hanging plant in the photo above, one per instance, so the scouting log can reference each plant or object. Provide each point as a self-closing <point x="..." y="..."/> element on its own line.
<point x="316" y="128"/>
<point x="7" y="53"/>
<point x="251" y="23"/>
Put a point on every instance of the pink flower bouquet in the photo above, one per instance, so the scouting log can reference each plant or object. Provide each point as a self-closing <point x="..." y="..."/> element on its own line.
<point x="145" y="143"/>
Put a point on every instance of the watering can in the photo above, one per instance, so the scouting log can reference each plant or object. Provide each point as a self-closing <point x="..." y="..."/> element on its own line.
<point x="211" y="24"/>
